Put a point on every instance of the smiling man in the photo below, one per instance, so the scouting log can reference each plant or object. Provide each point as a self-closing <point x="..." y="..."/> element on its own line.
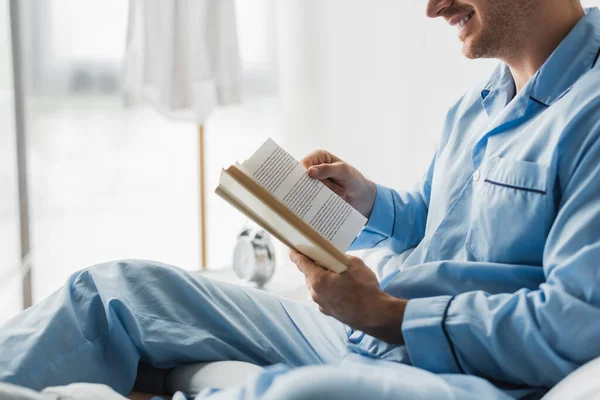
<point x="495" y="255"/>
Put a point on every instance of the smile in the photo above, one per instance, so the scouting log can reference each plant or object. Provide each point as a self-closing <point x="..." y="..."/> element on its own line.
<point x="463" y="21"/>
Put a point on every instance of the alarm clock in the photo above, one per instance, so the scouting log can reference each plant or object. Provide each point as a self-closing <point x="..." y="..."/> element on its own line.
<point x="254" y="256"/>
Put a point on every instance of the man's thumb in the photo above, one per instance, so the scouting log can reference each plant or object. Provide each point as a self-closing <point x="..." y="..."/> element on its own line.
<point x="324" y="171"/>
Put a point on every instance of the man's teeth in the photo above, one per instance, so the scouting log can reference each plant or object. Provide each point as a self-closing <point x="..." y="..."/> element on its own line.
<point x="463" y="21"/>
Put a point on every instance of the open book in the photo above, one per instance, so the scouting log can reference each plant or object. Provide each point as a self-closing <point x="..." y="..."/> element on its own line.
<point x="274" y="190"/>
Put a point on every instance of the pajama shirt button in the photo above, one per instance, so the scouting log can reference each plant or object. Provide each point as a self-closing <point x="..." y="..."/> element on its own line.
<point x="476" y="176"/>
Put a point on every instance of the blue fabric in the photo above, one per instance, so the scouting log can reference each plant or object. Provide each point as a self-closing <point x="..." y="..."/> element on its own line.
<point x="504" y="229"/>
<point x="109" y="317"/>
<point x="497" y="250"/>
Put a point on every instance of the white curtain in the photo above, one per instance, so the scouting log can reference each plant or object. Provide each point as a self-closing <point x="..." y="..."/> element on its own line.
<point x="182" y="56"/>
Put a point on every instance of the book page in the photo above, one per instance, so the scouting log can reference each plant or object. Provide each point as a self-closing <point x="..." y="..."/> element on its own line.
<point x="282" y="175"/>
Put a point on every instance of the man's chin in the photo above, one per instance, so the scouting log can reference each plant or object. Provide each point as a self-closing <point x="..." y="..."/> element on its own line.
<point x="478" y="45"/>
<point x="468" y="53"/>
<point x="471" y="51"/>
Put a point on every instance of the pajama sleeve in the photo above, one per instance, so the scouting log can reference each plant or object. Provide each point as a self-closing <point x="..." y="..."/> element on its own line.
<point x="535" y="336"/>
<point x="400" y="216"/>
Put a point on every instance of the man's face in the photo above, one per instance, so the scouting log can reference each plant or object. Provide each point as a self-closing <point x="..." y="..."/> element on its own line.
<point x="487" y="28"/>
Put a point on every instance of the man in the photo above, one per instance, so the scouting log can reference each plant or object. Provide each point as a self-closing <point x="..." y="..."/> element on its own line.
<point x="496" y="266"/>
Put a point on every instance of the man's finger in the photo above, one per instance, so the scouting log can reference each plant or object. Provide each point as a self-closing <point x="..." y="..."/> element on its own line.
<point x="300" y="260"/>
<point x="306" y="265"/>
<point x="317" y="157"/>
<point x="296" y="255"/>
<point x="338" y="170"/>
<point x="310" y="160"/>
<point x="355" y="263"/>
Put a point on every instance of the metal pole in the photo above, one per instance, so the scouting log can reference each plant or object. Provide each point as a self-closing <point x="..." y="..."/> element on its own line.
<point x="19" y="104"/>
<point x="202" y="197"/>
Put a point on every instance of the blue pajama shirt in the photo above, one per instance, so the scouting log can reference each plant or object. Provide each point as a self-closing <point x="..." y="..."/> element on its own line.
<point x="500" y="243"/>
<point x="497" y="250"/>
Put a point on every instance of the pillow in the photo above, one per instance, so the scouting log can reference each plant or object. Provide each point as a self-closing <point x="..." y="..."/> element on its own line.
<point x="192" y="379"/>
<point x="582" y="384"/>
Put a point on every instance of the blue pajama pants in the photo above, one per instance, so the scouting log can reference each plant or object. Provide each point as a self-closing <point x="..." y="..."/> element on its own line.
<point x="109" y="317"/>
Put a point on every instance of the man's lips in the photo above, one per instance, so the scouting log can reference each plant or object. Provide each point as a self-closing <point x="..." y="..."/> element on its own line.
<point x="456" y="18"/>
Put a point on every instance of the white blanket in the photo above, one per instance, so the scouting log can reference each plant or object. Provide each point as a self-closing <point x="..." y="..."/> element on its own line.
<point x="75" y="391"/>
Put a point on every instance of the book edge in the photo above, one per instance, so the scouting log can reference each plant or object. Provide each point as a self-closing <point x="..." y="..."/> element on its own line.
<point x="280" y="209"/>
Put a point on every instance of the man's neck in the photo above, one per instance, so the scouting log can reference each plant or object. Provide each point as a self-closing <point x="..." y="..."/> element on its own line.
<point x="543" y="38"/>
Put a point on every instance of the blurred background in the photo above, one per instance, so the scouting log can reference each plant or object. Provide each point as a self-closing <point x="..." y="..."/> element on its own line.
<point x="370" y="81"/>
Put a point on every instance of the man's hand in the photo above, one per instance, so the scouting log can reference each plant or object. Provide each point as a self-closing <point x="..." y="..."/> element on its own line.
<point x="354" y="298"/>
<point x="343" y="179"/>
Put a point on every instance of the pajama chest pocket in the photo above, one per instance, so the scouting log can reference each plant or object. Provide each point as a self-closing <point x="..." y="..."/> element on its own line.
<point x="509" y="212"/>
